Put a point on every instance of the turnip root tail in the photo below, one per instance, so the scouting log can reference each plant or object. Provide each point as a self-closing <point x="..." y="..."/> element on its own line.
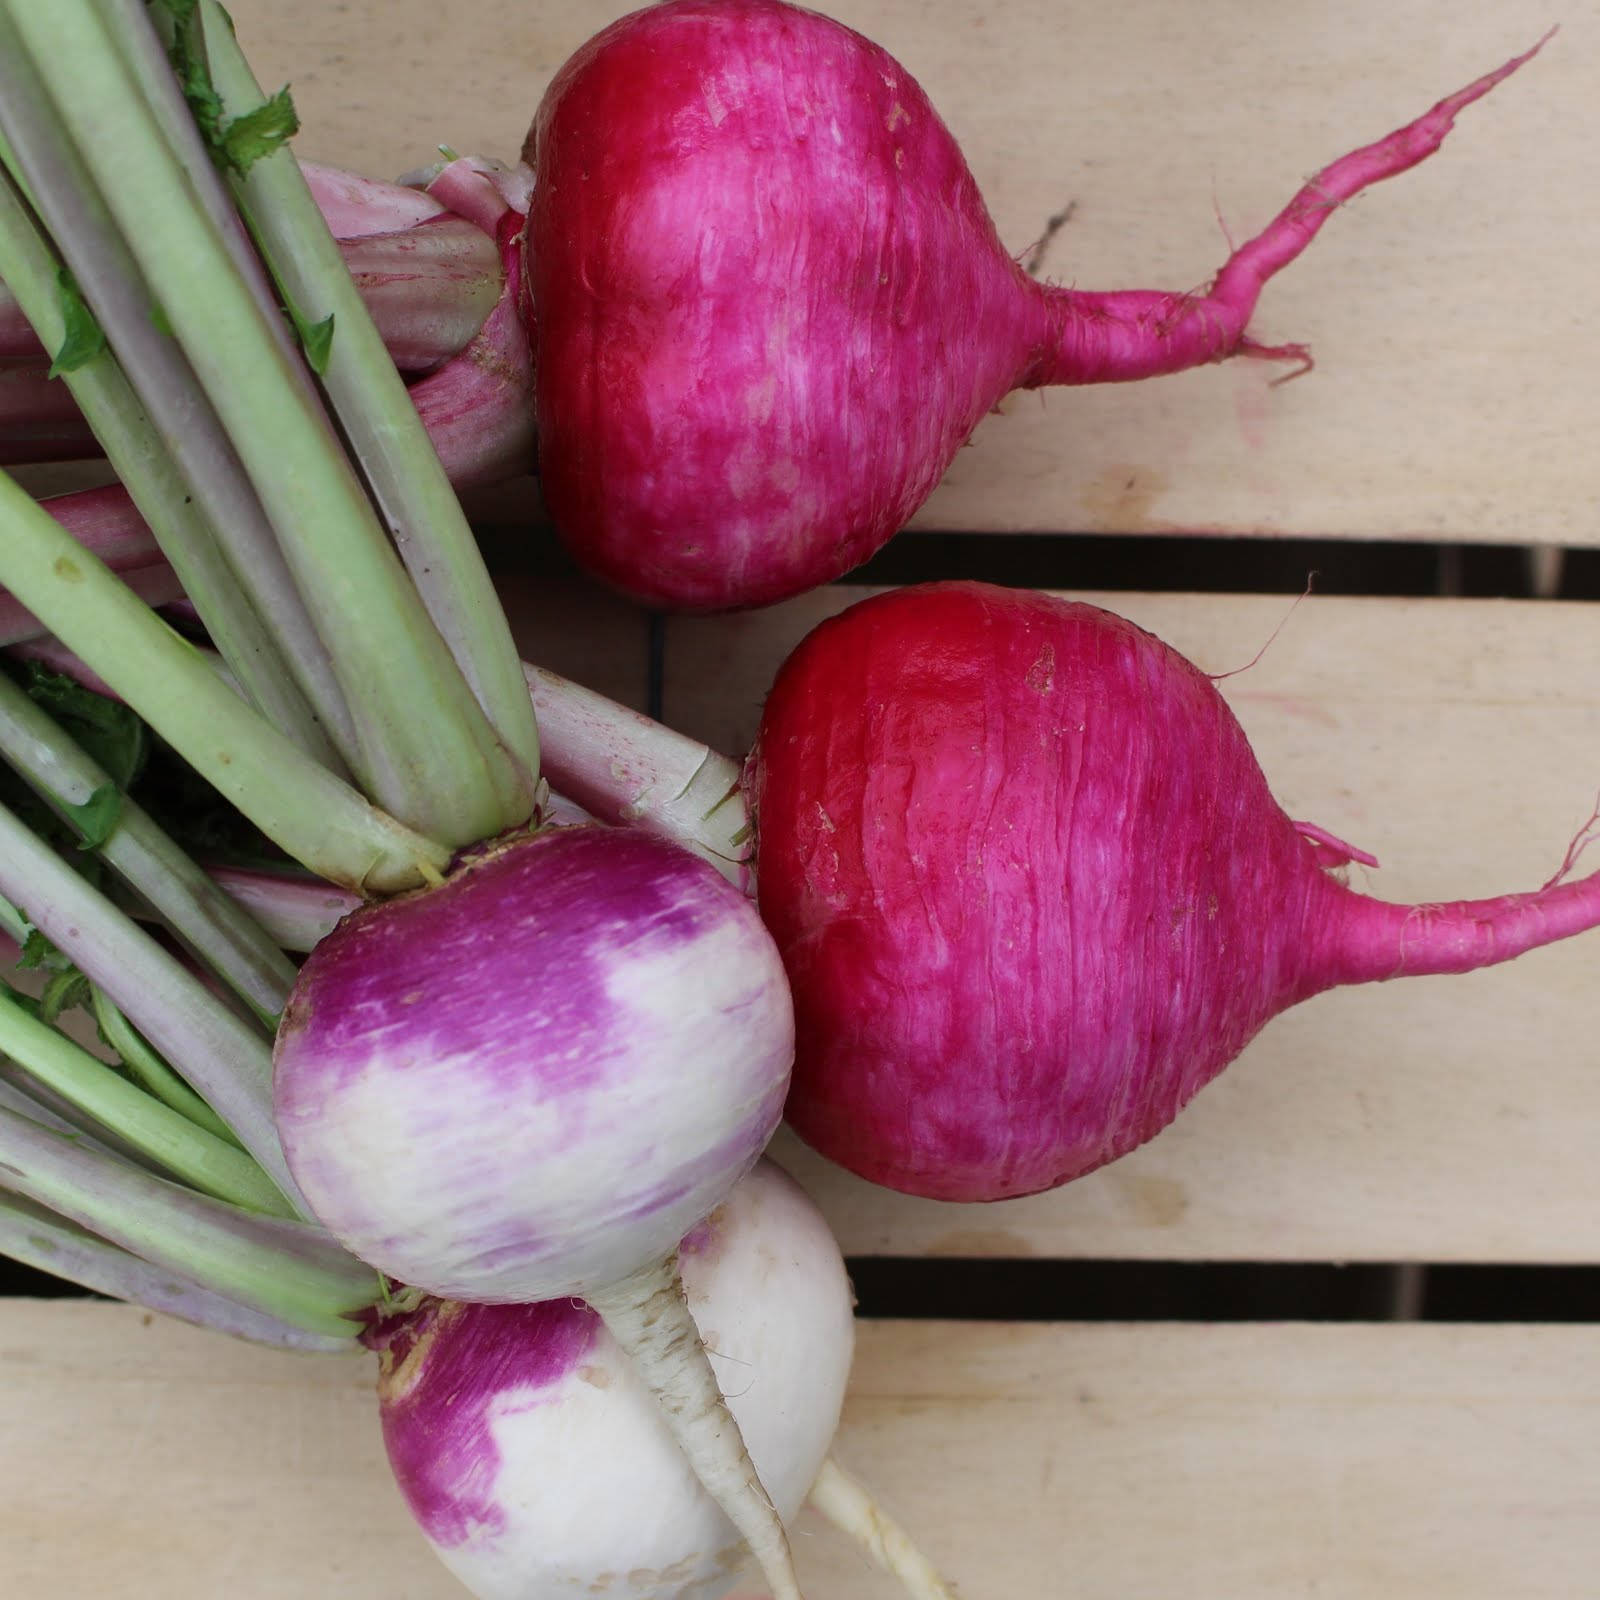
<point x="1125" y="335"/>
<point x="851" y="1508"/>
<point x="1373" y="940"/>
<point x="648" y="1316"/>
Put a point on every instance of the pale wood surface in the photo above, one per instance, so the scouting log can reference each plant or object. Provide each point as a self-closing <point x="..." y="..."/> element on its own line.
<point x="1448" y="309"/>
<point x="152" y="1462"/>
<point x="1456" y="741"/>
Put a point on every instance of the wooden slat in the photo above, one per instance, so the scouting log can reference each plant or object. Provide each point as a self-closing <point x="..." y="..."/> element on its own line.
<point x="150" y="1462"/>
<point x="1453" y="384"/>
<point x="1436" y="1119"/>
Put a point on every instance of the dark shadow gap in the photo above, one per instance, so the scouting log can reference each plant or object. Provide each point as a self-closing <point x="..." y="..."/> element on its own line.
<point x="1142" y="1291"/>
<point x="1209" y="565"/>
<point x="1213" y="564"/>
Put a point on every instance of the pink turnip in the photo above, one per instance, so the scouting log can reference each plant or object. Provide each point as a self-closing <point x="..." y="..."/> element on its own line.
<point x="768" y="305"/>
<point x="1033" y="893"/>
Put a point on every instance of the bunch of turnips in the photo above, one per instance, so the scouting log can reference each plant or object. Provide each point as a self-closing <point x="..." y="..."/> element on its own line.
<point x="468" y="1040"/>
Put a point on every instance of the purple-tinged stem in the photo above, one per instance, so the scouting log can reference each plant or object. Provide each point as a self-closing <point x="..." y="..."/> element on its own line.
<point x="38" y="1238"/>
<point x="428" y="289"/>
<point x="356" y="206"/>
<point x="299" y="912"/>
<point x="477" y="408"/>
<point x="1125" y="335"/>
<point x="290" y="1270"/>
<point x="226" y="1060"/>
<point x="622" y="767"/>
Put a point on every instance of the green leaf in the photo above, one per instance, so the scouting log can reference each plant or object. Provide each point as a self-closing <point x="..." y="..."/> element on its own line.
<point x="258" y="133"/>
<point x="188" y="808"/>
<point x="39" y="954"/>
<point x="107" y="730"/>
<point x="82" y="339"/>
<point x="96" y="819"/>
<point x="194" y="78"/>
<point x="316" y="339"/>
<point x="67" y="989"/>
<point x="178" y="10"/>
<point x="159" y="319"/>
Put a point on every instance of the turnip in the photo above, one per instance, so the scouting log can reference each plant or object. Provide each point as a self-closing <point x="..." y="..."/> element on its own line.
<point x="534" y="1460"/>
<point x="1033" y="892"/>
<point x="631" y="1058"/>
<point x="768" y="306"/>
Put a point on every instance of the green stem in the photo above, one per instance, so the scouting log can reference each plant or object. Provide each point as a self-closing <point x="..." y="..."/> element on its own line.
<point x="12" y="922"/>
<point x="377" y="415"/>
<point x="321" y="822"/>
<point x="290" y="1270"/>
<point x="222" y="1057"/>
<point x="171" y="452"/>
<point x="24" y="1094"/>
<point x="203" y="1160"/>
<point x="35" y="1236"/>
<point x="210" y="921"/>
<point x="147" y="1066"/>
<point x="131" y="30"/>
<point x="428" y="755"/>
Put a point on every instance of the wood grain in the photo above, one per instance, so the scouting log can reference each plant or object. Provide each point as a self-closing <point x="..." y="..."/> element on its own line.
<point x="1455" y="740"/>
<point x="1453" y="387"/>
<point x="152" y="1462"/>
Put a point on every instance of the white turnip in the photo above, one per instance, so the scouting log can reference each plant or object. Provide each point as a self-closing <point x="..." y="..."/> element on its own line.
<point x="536" y="1462"/>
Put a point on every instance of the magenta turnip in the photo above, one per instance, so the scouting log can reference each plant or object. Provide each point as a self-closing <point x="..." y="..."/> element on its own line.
<point x="1033" y="893"/>
<point x="768" y="305"/>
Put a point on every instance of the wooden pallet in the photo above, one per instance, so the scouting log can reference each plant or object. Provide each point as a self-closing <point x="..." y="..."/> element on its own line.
<point x="1439" y="1120"/>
